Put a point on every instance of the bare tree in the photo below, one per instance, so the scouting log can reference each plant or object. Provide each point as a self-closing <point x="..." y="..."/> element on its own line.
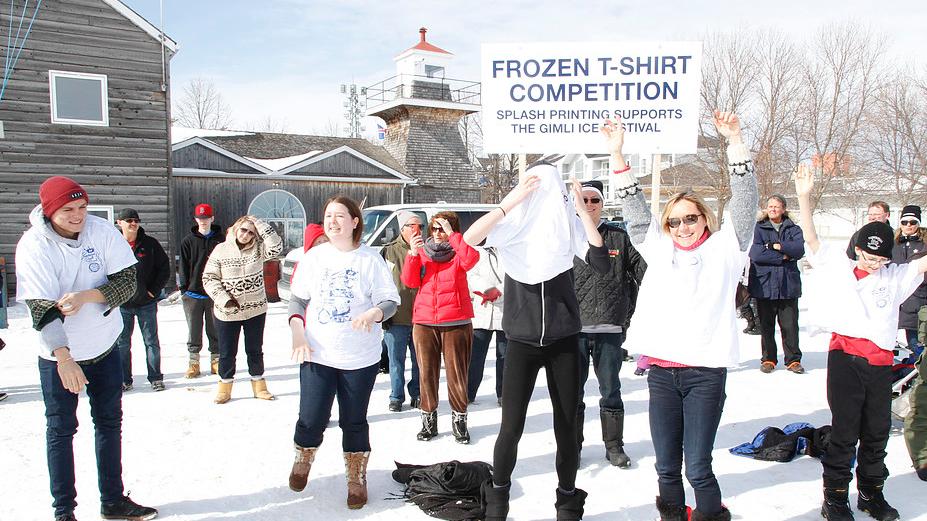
<point x="201" y="106"/>
<point x="332" y="128"/>
<point x="268" y="124"/>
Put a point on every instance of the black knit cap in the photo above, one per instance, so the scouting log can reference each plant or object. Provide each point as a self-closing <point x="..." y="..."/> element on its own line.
<point x="911" y="211"/>
<point x="876" y="238"/>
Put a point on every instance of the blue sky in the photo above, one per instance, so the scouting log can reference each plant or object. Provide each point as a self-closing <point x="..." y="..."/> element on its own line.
<point x="285" y="59"/>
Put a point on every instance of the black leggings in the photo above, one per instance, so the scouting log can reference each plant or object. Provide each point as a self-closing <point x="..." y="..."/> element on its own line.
<point x="523" y="361"/>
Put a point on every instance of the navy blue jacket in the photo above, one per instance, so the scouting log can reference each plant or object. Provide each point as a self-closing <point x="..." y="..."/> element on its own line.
<point x="772" y="276"/>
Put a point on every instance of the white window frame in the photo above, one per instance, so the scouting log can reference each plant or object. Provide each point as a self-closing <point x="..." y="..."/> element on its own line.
<point x="104" y="98"/>
<point x="108" y="208"/>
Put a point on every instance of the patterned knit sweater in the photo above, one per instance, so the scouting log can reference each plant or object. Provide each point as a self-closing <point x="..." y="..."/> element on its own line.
<point x="235" y="273"/>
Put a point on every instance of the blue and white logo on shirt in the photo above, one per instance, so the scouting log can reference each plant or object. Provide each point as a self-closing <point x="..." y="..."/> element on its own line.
<point x="339" y="292"/>
<point x="94" y="262"/>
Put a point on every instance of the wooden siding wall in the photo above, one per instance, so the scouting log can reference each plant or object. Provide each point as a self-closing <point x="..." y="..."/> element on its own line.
<point x="124" y="164"/>
<point x="231" y="197"/>
<point x="342" y="165"/>
<point x="198" y="156"/>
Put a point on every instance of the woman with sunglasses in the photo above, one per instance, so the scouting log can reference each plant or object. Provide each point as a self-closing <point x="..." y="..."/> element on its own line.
<point x="910" y="240"/>
<point x="441" y="319"/>
<point x="234" y="279"/>
<point x="693" y="268"/>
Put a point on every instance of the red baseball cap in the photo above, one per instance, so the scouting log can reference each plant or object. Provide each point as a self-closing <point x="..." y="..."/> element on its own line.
<point x="202" y="210"/>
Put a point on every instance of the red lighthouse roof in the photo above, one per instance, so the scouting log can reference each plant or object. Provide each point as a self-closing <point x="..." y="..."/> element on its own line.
<point x="423" y="45"/>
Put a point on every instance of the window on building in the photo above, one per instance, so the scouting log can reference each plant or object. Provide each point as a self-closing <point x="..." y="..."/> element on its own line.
<point x="434" y="71"/>
<point x="284" y="212"/>
<point x="103" y="211"/>
<point x="78" y="98"/>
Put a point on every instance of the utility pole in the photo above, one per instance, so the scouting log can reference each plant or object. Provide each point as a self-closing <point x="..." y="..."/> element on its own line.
<point x="354" y="106"/>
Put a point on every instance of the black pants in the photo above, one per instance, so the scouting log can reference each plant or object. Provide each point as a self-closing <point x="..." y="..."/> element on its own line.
<point x="228" y="345"/>
<point x="787" y="312"/>
<point x="523" y="362"/>
<point x="860" y="397"/>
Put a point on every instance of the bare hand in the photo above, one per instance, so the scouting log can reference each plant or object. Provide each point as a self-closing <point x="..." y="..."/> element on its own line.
<point x="728" y="125"/>
<point x="365" y="321"/>
<point x="613" y="130"/>
<point x="416" y="244"/>
<point x="71" y="303"/>
<point x="804" y="180"/>
<point x="577" y="189"/>
<point x="521" y="191"/>
<point x="301" y="351"/>
<point x="776" y="246"/>
<point x="231" y="304"/>
<point x="72" y="376"/>
<point x="445" y="225"/>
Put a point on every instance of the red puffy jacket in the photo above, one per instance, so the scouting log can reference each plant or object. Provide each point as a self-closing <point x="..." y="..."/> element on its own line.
<point x="443" y="294"/>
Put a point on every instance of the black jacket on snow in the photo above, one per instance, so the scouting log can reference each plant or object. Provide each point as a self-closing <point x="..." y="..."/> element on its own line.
<point x="608" y="298"/>
<point x="540" y="314"/>
<point x="903" y="251"/>
<point x="152" y="271"/>
<point x="194" y="250"/>
<point x="772" y="277"/>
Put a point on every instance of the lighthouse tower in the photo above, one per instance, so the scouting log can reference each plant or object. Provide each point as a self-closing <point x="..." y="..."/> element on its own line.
<point x="422" y="109"/>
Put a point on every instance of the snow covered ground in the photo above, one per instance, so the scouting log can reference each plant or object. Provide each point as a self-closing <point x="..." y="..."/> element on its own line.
<point x="195" y="460"/>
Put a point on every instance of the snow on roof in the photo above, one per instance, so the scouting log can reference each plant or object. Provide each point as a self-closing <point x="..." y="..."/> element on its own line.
<point x="280" y="163"/>
<point x="179" y="134"/>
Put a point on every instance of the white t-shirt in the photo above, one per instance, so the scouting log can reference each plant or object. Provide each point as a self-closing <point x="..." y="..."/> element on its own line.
<point x="538" y="239"/>
<point x="865" y="308"/>
<point x="48" y="266"/>
<point x="685" y="309"/>
<point x="340" y="286"/>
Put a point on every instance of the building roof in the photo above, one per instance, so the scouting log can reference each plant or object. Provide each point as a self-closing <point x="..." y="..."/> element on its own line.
<point x="142" y="24"/>
<point x="423" y="45"/>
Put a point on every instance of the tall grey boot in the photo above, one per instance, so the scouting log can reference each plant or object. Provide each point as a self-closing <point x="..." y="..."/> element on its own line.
<point x="613" y="436"/>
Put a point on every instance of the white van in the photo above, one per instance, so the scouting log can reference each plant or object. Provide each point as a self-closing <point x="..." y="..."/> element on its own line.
<point x="381" y="226"/>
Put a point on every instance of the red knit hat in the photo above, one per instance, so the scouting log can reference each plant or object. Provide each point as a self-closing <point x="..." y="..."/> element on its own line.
<point x="313" y="232"/>
<point x="58" y="191"/>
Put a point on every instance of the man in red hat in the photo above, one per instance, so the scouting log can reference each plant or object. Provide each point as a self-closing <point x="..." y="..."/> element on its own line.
<point x="73" y="270"/>
<point x="197" y="306"/>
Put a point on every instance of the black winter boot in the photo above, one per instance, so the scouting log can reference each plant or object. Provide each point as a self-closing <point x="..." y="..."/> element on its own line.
<point x="672" y="512"/>
<point x="836" y="506"/>
<point x="459" y="426"/>
<point x="613" y="436"/>
<point x="872" y="502"/>
<point x="723" y="515"/>
<point x="429" y="426"/>
<point x="495" y="501"/>
<point x="570" y="506"/>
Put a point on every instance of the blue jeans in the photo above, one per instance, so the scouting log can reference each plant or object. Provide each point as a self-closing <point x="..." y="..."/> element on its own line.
<point x="607" y="356"/>
<point x="105" y="392"/>
<point x="685" y="411"/>
<point x="481" y="339"/>
<point x="148" y="324"/>
<point x="398" y="340"/>
<point x="318" y="386"/>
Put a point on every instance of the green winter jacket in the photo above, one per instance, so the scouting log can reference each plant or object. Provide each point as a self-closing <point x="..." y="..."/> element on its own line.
<point x="394" y="254"/>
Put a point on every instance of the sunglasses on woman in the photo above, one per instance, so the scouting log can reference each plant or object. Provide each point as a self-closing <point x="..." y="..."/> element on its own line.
<point x="437" y="229"/>
<point x="593" y="200"/>
<point x="912" y="222"/>
<point x="689" y="220"/>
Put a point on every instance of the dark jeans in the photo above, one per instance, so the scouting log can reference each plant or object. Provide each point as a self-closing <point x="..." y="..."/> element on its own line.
<point x="787" y="313"/>
<point x="398" y="340"/>
<point x="481" y="339"/>
<point x="104" y="389"/>
<point x="860" y="398"/>
<point x="560" y="361"/>
<point x="199" y="311"/>
<point x="148" y="324"/>
<point x="228" y="345"/>
<point x="318" y="386"/>
<point x="685" y="411"/>
<point x="607" y="356"/>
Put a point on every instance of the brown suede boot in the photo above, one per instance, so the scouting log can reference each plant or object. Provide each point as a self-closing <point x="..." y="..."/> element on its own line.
<point x="193" y="371"/>
<point x="355" y="469"/>
<point x="299" y="475"/>
<point x="214" y="365"/>
<point x="260" y="389"/>
<point x="225" y="392"/>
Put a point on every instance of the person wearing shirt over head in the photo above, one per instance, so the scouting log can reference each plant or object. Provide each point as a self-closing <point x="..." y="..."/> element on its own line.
<point x="537" y="230"/>
<point x="341" y="292"/>
<point x="73" y="270"/>
<point x="693" y="269"/>
<point x="857" y="301"/>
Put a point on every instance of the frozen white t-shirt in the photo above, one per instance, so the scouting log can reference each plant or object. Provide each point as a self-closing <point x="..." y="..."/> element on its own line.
<point x="340" y="286"/>
<point x="865" y="308"/>
<point x="48" y="266"/>
<point x="538" y="239"/>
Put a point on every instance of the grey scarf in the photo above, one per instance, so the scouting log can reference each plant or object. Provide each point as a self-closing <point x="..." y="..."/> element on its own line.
<point x="439" y="252"/>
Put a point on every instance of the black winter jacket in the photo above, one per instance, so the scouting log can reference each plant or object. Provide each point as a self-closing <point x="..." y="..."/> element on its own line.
<point x="903" y="253"/>
<point x="152" y="271"/>
<point x="194" y="251"/>
<point x="772" y="277"/>
<point x="608" y="298"/>
<point x="540" y="314"/>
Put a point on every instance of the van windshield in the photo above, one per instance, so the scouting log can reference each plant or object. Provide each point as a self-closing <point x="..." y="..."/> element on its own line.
<point x="372" y="220"/>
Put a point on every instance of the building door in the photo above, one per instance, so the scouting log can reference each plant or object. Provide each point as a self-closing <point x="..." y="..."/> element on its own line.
<point x="284" y="212"/>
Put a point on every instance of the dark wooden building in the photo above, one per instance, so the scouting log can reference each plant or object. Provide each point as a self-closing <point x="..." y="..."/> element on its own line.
<point x="89" y="99"/>
<point x="281" y="178"/>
